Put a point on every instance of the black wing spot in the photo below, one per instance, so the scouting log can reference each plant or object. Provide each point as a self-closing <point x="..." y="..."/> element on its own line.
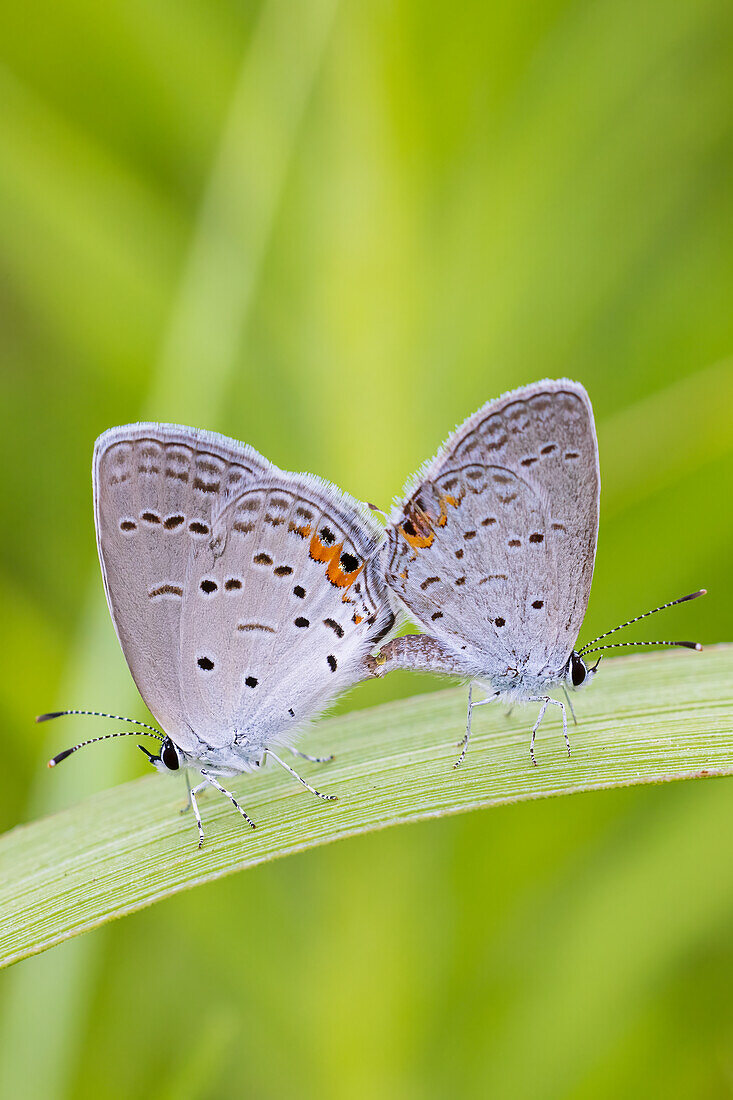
<point x="283" y="570"/>
<point x="250" y="681"/>
<point x="548" y="449"/>
<point x="429" y="581"/>
<point x="335" y="627"/>
<point x="198" y="528"/>
<point x="327" y="536"/>
<point x="208" y="586"/>
<point x="572" y="454"/>
<point x="205" y="663"/>
<point x="150" y="517"/>
<point x="460" y="581"/>
<point x="291" y="712"/>
<point x="488" y="521"/>
<point x="459" y="554"/>
<point x="232" y="583"/>
<point x="302" y="621"/>
<point x="128" y="525"/>
<point x="538" y="604"/>
<point x="262" y="559"/>
<point x="499" y="621"/>
<point x="409" y="527"/>
<point x="536" y="537"/>
<point x="172" y="522"/>
<point x="514" y="542"/>
<point x="529" y="461"/>
<point x="436" y="615"/>
<point x="299" y="591"/>
<point x="349" y="562"/>
<point x="331" y="662"/>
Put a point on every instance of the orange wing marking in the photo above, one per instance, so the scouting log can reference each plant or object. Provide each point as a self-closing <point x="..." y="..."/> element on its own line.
<point x="331" y="555"/>
<point x="444" y="501"/>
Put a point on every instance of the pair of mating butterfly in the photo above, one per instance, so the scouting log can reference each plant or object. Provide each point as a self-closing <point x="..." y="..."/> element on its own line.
<point x="245" y="598"/>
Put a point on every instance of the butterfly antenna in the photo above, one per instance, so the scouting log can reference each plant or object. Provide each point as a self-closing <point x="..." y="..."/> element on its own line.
<point x="683" y="599"/>
<point x="618" y="645"/>
<point x="105" y="737"/>
<point x="95" y="714"/>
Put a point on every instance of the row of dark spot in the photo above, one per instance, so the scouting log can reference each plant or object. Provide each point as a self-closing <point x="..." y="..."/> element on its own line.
<point x="170" y="523"/>
<point x="232" y="584"/>
<point x="499" y="621"/>
<point x="535" y="537"/>
<point x="207" y="665"/>
<point x="549" y="449"/>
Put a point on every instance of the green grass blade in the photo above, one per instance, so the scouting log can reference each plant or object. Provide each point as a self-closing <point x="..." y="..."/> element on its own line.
<point x="647" y="719"/>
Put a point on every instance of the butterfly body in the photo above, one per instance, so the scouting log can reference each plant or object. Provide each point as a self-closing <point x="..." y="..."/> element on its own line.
<point x="245" y="598"/>
<point x="491" y="551"/>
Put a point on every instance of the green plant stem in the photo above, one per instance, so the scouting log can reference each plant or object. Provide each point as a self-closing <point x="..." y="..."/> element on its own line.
<point x="646" y="719"/>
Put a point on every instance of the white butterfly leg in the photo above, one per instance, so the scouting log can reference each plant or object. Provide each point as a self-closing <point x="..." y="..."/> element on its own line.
<point x="325" y="797"/>
<point x="467" y="736"/>
<point x="210" y="781"/>
<point x="546" y="700"/>
<point x="313" y="759"/>
<point x="192" y="792"/>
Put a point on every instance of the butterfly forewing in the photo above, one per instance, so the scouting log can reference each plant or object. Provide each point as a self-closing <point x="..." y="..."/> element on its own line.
<point x="493" y="549"/>
<point x="210" y="557"/>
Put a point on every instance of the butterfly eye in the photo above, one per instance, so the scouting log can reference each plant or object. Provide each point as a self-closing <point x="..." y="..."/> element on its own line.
<point x="578" y="671"/>
<point x="169" y="756"/>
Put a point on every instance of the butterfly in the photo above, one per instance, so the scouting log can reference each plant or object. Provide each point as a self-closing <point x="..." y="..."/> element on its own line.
<point x="245" y="598"/>
<point x="491" y="552"/>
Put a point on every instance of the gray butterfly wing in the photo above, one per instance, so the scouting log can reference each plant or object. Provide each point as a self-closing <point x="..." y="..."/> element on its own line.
<point x="174" y="508"/>
<point x="493" y="549"/>
<point x="157" y="491"/>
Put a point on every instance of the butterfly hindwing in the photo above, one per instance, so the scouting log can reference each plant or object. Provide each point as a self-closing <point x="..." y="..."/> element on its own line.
<point x="283" y="607"/>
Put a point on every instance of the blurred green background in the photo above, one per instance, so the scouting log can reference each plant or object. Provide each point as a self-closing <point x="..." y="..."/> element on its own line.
<point x="333" y="230"/>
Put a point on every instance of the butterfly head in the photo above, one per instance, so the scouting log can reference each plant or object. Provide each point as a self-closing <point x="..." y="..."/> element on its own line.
<point x="169" y="759"/>
<point x="577" y="673"/>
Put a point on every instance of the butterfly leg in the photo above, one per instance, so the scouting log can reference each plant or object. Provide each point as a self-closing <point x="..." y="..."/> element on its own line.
<point x="325" y="797"/>
<point x="463" y="744"/>
<point x="209" y="780"/>
<point x="570" y="704"/>
<point x="192" y="792"/>
<point x="313" y="759"/>
<point x="546" y="701"/>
